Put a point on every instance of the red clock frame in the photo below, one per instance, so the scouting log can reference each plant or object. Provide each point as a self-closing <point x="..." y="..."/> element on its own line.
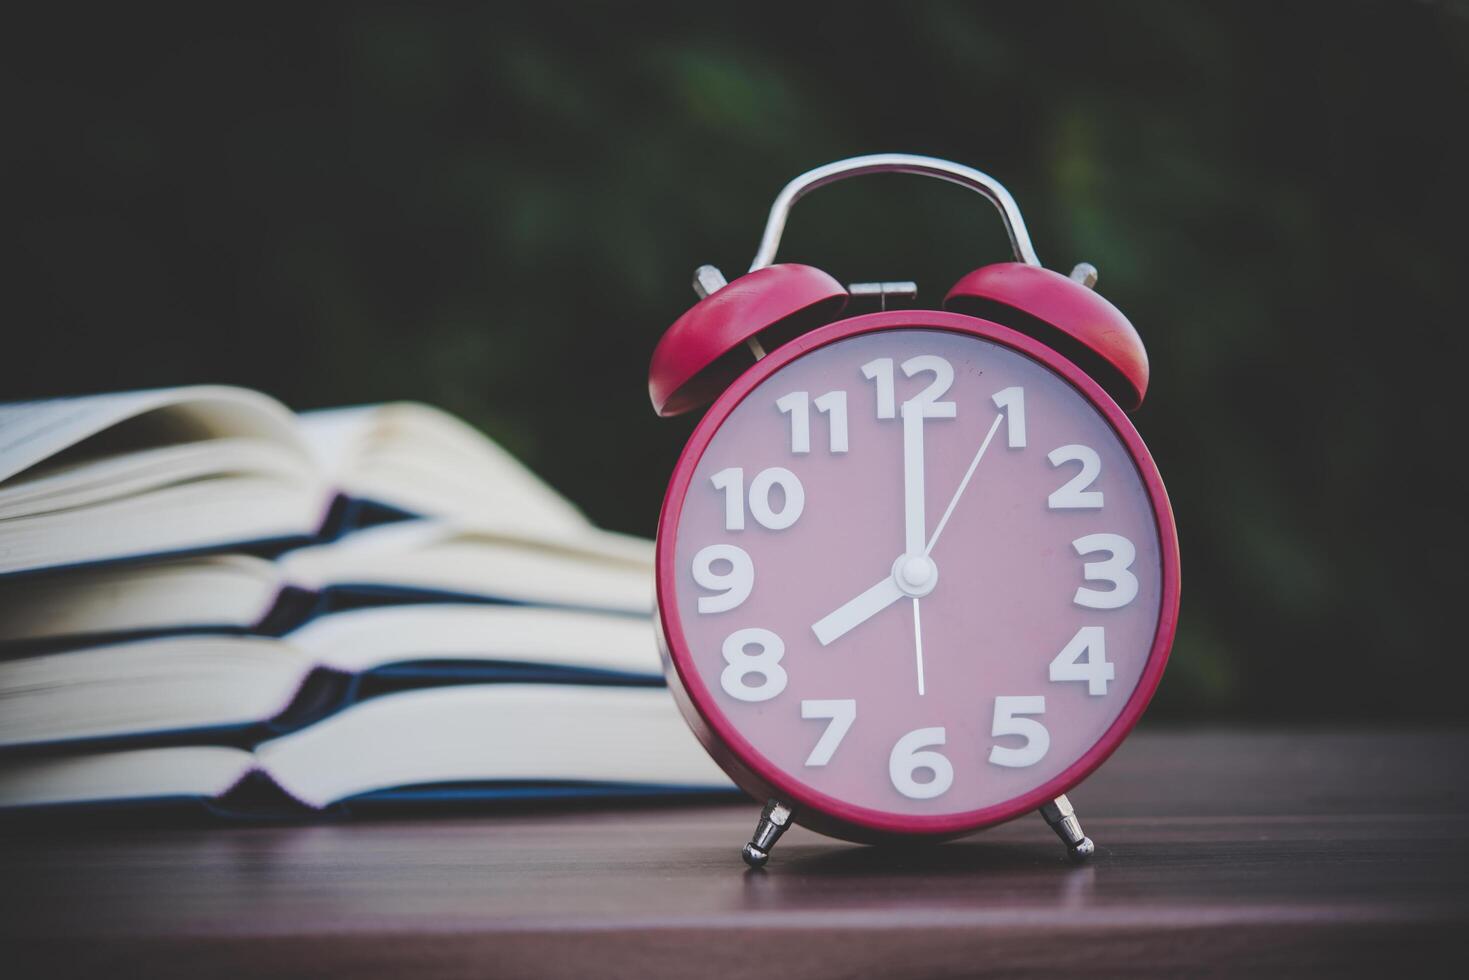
<point x="741" y="760"/>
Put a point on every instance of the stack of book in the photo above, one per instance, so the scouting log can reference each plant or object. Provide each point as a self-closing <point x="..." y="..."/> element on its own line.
<point x="207" y="600"/>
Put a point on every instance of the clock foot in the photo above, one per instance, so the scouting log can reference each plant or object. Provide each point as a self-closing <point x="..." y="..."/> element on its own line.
<point x="774" y="820"/>
<point x="1061" y="816"/>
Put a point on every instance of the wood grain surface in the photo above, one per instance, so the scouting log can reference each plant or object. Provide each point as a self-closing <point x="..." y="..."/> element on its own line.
<point x="1220" y="853"/>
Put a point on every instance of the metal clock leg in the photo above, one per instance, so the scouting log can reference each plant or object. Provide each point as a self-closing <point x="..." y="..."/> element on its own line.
<point x="774" y="820"/>
<point x="1061" y="816"/>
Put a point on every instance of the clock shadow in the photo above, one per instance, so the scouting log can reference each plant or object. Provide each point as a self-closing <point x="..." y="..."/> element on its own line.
<point x="967" y="875"/>
<point x="958" y="857"/>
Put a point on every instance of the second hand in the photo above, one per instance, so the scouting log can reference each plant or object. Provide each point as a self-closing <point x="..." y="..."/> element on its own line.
<point x="968" y="474"/>
<point x="918" y="643"/>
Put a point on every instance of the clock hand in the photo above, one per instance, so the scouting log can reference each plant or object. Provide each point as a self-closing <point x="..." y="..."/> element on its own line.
<point x="913" y="516"/>
<point x="918" y="643"/>
<point x="963" y="483"/>
<point x="857" y="611"/>
<point x="912" y="566"/>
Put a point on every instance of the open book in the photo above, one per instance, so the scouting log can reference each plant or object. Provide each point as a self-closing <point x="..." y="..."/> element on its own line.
<point x="480" y="741"/>
<point x="413" y="561"/>
<point x="242" y="689"/>
<point x="204" y="597"/>
<point x="121" y="476"/>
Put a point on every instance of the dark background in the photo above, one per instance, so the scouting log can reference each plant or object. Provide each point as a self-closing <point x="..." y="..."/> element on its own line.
<point x="497" y="210"/>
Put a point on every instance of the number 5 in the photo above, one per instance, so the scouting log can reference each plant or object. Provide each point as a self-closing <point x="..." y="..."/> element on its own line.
<point x="1008" y="721"/>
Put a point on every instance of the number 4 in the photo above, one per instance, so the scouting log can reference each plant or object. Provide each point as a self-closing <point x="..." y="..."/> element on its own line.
<point x="1084" y="659"/>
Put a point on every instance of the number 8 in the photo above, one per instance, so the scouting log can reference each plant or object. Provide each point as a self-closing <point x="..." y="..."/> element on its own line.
<point x="766" y="663"/>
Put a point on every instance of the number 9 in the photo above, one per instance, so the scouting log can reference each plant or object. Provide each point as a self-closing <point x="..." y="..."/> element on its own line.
<point x="735" y="584"/>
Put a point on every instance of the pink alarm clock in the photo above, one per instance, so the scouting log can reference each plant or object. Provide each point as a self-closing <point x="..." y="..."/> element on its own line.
<point x="917" y="573"/>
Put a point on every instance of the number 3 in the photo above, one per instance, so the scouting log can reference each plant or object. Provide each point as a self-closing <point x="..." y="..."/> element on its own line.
<point x="1116" y="569"/>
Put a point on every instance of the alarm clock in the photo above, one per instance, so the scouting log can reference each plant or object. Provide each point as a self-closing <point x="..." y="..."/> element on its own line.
<point x="917" y="573"/>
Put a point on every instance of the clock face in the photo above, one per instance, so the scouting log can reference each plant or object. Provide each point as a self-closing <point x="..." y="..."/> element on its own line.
<point x="915" y="573"/>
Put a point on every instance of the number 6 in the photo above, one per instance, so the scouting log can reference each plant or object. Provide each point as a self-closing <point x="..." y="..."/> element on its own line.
<point x="912" y="754"/>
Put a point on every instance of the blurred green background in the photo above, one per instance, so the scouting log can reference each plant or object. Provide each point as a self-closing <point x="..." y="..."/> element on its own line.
<point x="497" y="210"/>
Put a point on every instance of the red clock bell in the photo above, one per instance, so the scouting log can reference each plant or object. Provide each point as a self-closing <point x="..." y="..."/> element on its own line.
<point x="917" y="573"/>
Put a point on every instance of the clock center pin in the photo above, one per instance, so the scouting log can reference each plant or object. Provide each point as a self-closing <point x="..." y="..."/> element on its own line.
<point x="916" y="575"/>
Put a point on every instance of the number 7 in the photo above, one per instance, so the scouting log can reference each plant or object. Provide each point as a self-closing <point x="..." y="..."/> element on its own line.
<point x="842" y="713"/>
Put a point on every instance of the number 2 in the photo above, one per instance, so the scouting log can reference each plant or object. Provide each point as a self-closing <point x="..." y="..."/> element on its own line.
<point x="1074" y="493"/>
<point x="943" y="380"/>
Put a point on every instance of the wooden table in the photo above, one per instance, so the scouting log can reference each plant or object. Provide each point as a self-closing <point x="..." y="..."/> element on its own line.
<point x="1220" y="853"/>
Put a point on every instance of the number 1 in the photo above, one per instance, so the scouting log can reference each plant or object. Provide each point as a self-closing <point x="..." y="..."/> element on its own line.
<point x="1012" y="402"/>
<point x="880" y="371"/>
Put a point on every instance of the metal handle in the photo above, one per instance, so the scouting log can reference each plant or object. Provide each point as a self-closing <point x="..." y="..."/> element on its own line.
<point x="894" y="163"/>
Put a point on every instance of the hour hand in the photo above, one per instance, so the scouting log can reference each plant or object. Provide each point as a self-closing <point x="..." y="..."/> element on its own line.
<point x="857" y="611"/>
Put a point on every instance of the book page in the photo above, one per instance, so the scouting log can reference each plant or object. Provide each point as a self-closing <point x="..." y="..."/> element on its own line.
<point x="490" y="733"/>
<point x="32" y="432"/>
<point x="138" y="774"/>
<point x="427" y="462"/>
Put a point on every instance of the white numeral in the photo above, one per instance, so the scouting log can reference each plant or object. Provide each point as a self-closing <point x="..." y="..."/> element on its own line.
<point x="798" y="406"/>
<point x="834" y="405"/>
<point x="735" y="584"/>
<point x="842" y="713"/>
<point x="1074" y="494"/>
<point x="732" y="482"/>
<point x="1008" y="721"/>
<point x="1012" y="402"/>
<point x="1084" y="659"/>
<point x="880" y="371"/>
<point x="943" y="379"/>
<point x="790" y="508"/>
<point x="766" y="663"/>
<point x="1116" y="569"/>
<point x="911" y="754"/>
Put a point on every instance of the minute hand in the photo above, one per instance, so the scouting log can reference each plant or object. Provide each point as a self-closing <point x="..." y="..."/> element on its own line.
<point x="913" y="516"/>
<point x="968" y="474"/>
